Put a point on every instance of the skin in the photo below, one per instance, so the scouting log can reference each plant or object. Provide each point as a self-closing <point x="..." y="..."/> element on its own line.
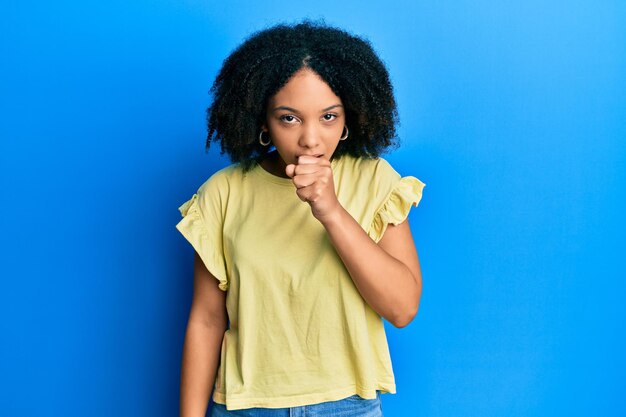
<point x="208" y="321"/>
<point x="305" y="118"/>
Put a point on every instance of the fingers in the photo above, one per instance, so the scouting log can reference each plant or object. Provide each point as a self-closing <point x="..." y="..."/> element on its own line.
<point x="309" y="177"/>
<point x="306" y="159"/>
<point x="306" y="165"/>
<point x="308" y="196"/>
<point x="304" y="180"/>
<point x="304" y="175"/>
<point x="310" y="169"/>
<point x="309" y="165"/>
<point x="312" y="192"/>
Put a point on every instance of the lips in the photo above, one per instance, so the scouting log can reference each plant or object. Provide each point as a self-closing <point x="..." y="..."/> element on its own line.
<point x="318" y="155"/>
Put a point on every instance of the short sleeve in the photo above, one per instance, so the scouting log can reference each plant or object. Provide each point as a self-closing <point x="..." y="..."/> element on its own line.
<point x="403" y="193"/>
<point x="202" y="226"/>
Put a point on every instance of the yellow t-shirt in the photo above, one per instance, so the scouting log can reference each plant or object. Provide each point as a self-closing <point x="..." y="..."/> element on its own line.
<point x="300" y="333"/>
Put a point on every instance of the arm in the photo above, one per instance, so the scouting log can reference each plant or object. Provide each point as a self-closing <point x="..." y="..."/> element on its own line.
<point x="207" y="323"/>
<point x="386" y="274"/>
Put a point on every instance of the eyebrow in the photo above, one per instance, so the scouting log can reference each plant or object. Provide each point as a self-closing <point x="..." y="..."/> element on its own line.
<point x="296" y="111"/>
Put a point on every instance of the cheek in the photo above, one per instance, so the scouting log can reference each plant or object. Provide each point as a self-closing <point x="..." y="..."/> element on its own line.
<point x="284" y="136"/>
<point x="335" y="132"/>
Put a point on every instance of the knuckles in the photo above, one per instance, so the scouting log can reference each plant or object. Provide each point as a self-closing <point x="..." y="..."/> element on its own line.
<point x="309" y="191"/>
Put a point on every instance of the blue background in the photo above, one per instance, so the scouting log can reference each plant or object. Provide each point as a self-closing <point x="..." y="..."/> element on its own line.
<point x="513" y="114"/>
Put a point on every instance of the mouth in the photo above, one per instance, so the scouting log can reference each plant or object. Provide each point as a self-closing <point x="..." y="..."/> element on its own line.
<point x="318" y="155"/>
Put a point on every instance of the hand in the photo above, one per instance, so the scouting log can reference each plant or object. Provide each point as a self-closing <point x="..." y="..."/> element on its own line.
<point x="313" y="178"/>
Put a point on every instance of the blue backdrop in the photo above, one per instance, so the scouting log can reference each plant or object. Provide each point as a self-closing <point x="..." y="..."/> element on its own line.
<point x="513" y="114"/>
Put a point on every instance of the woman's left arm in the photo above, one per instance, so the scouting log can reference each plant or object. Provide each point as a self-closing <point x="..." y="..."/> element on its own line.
<point x="386" y="274"/>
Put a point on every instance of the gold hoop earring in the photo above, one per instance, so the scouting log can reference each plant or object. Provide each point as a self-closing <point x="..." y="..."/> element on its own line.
<point x="344" y="137"/>
<point x="261" y="139"/>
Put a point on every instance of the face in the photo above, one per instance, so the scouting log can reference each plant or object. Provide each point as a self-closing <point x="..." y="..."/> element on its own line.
<point x="305" y="117"/>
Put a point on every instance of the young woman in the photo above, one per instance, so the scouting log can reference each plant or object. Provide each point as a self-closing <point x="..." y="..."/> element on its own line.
<point x="302" y="244"/>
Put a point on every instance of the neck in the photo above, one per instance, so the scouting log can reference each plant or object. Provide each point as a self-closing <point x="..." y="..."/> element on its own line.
<point x="274" y="164"/>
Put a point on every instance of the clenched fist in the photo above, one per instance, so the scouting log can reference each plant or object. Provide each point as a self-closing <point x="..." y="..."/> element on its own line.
<point x="313" y="178"/>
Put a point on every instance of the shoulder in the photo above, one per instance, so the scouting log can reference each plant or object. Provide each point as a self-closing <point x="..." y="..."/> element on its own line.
<point x="222" y="178"/>
<point x="375" y="173"/>
<point x="217" y="187"/>
<point x="375" y="166"/>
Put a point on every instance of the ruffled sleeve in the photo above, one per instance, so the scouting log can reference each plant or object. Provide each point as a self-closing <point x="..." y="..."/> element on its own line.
<point x="202" y="227"/>
<point x="405" y="193"/>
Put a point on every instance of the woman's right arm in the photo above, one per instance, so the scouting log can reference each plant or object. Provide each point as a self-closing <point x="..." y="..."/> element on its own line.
<point x="208" y="320"/>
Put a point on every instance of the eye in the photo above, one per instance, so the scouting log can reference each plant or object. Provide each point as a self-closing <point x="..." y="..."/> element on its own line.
<point x="332" y="117"/>
<point x="288" y="118"/>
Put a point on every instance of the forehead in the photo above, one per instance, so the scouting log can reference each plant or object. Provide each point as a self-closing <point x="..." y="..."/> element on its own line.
<point x="305" y="90"/>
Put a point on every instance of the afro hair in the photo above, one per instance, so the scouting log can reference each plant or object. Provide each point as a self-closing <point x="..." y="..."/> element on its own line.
<point x="265" y="61"/>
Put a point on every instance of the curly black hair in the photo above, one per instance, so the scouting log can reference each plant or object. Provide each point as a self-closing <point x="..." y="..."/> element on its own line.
<point x="266" y="60"/>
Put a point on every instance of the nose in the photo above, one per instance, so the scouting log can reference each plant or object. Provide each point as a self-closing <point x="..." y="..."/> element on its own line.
<point x="310" y="136"/>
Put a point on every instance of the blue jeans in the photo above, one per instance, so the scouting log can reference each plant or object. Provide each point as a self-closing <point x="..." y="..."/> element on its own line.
<point x="353" y="406"/>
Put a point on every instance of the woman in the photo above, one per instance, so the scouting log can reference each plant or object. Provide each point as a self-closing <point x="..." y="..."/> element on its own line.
<point x="303" y="243"/>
